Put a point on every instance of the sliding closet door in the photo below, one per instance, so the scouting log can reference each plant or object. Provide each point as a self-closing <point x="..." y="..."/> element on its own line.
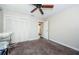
<point x="1" y="21"/>
<point x="23" y="29"/>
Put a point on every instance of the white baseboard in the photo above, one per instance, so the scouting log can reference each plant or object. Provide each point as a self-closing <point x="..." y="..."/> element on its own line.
<point x="26" y="40"/>
<point x="65" y="45"/>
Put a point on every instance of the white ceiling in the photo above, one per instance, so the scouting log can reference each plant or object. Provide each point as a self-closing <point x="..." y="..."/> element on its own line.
<point x="26" y="8"/>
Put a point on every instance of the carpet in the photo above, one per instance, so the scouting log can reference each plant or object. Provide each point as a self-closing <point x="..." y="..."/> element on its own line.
<point x="40" y="47"/>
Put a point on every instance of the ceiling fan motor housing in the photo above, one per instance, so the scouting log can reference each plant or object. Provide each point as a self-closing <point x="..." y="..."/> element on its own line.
<point x="38" y="5"/>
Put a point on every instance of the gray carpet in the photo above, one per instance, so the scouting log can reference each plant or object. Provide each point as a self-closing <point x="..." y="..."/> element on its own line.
<point x="40" y="47"/>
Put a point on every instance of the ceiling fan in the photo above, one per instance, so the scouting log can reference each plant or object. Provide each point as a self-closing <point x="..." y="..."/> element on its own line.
<point x="40" y="6"/>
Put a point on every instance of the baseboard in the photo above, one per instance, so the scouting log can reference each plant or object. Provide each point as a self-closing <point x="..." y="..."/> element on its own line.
<point x="27" y="40"/>
<point x="65" y="45"/>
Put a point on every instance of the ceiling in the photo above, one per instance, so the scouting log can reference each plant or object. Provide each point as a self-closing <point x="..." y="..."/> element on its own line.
<point x="26" y="8"/>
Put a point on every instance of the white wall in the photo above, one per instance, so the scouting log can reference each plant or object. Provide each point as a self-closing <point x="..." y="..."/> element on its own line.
<point x="45" y="29"/>
<point x="64" y="27"/>
<point x="1" y="21"/>
<point x="24" y="27"/>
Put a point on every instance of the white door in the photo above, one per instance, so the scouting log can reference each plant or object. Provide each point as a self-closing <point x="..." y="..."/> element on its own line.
<point x="45" y="30"/>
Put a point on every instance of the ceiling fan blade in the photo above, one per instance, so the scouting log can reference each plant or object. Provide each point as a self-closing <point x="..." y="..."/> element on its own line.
<point x="33" y="10"/>
<point x="47" y="6"/>
<point x="41" y="11"/>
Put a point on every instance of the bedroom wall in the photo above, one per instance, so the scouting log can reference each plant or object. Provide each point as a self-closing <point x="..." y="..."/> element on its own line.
<point x="64" y="27"/>
<point x="1" y="21"/>
<point x="24" y="27"/>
